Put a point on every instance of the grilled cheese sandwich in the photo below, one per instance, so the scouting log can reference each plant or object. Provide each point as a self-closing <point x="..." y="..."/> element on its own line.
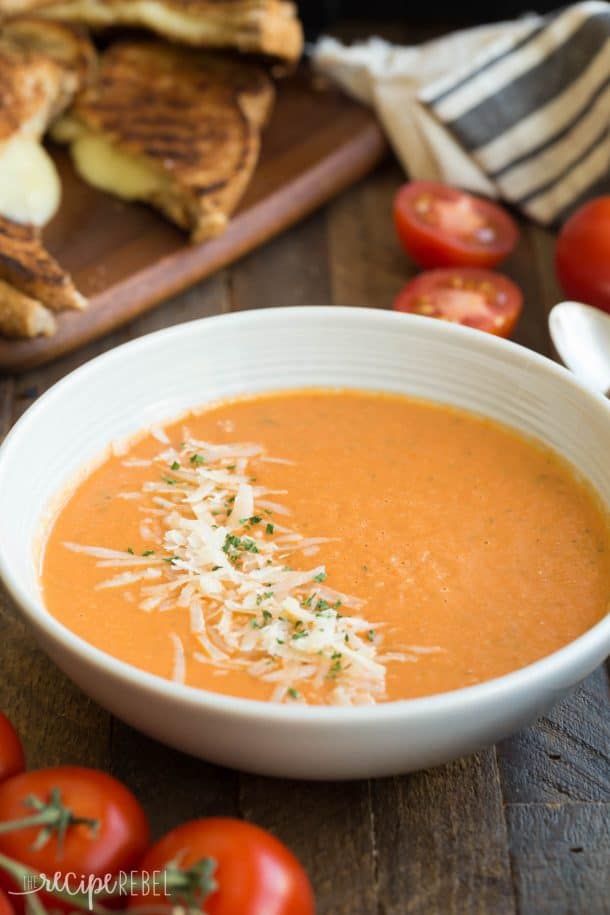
<point x="32" y="283"/>
<point x="175" y="128"/>
<point x="42" y="65"/>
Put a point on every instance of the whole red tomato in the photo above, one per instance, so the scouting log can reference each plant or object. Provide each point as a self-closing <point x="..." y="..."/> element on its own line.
<point x="253" y="872"/>
<point x="582" y="256"/>
<point x="12" y="759"/>
<point x="94" y="825"/>
<point x="5" y="906"/>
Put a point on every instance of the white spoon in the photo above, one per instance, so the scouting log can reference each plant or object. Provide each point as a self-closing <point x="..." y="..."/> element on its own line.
<point x="581" y="335"/>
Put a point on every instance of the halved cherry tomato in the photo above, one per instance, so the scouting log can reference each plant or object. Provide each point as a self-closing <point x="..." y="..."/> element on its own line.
<point x="476" y="298"/>
<point x="5" y="906"/>
<point x="12" y="759"/>
<point x="582" y="256"/>
<point x="253" y="872"/>
<point x="106" y="830"/>
<point x="441" y="226"/>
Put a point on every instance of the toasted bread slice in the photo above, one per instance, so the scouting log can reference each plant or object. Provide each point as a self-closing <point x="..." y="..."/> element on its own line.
<point x="268" y="27"/>
<point x="176" y="128"/>
<point x="42" y="65"/>
<point x="27" y="266"/>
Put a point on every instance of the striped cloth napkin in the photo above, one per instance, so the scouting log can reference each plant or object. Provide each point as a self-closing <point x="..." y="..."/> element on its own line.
<point x="519" y="110"/>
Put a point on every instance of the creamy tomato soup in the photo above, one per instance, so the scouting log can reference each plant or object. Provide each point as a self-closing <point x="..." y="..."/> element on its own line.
<point x="329" y="547"/>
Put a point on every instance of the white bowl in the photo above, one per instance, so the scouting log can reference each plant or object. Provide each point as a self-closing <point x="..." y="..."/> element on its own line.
<point x="159" y="376"/>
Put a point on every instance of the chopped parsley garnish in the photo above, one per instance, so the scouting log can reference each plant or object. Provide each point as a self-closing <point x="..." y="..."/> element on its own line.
<point x="321" y="576"/>
<point x="233" y="545"/>
<point x="267" y="616"/>
<point x="270" y="528"/>
<point x="300" y="635"/>
<point x="169" y="480"/>
<point x="336" y="667"/>
<point x="148" y="553"/>
<point x="293" y="693"/>
<point x="371" y="635"/>
<point x="322" y="605"/>
<point x="175" y="466"/>
<point x="130" y="550"/>
<point x="197" y="459"/>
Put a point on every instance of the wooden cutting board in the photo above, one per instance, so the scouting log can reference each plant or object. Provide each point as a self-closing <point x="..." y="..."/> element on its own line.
<point x="127" y="259"/>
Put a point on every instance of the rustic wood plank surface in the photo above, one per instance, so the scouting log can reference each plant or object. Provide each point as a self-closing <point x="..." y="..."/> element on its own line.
<point x="519" y="828"/>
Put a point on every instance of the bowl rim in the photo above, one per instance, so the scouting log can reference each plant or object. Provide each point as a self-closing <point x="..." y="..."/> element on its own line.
<point x="576" y="653"/>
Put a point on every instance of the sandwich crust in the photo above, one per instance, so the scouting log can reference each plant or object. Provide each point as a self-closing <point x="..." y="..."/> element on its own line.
<point x="190" y="120"/>
<point x="268" y="27"/>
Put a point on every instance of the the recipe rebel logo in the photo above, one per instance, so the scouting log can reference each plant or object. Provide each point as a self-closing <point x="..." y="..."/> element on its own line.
<point x="89" y="889"/>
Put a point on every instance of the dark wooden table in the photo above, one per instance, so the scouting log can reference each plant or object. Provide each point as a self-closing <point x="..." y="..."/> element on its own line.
<point x="521" y="827"/>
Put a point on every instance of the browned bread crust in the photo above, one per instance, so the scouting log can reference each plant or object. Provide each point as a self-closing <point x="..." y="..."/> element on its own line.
<point x="267" y="27"/>
<point x="194" y="118"/>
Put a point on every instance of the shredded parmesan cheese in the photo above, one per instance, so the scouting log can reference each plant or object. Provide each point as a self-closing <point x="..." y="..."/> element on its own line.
<point x="179" y="668"/>
<point x="220" y="556"/>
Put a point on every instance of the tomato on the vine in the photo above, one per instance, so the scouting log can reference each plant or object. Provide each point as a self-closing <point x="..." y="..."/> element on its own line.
<point x="224" y="866"/>
<point x="70" y="820"/>
<point x="12" y="759"/>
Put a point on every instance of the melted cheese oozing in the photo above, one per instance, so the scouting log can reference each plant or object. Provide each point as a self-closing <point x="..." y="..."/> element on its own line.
<point x="112" y="170"/>
<point x="30" y="188"/>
